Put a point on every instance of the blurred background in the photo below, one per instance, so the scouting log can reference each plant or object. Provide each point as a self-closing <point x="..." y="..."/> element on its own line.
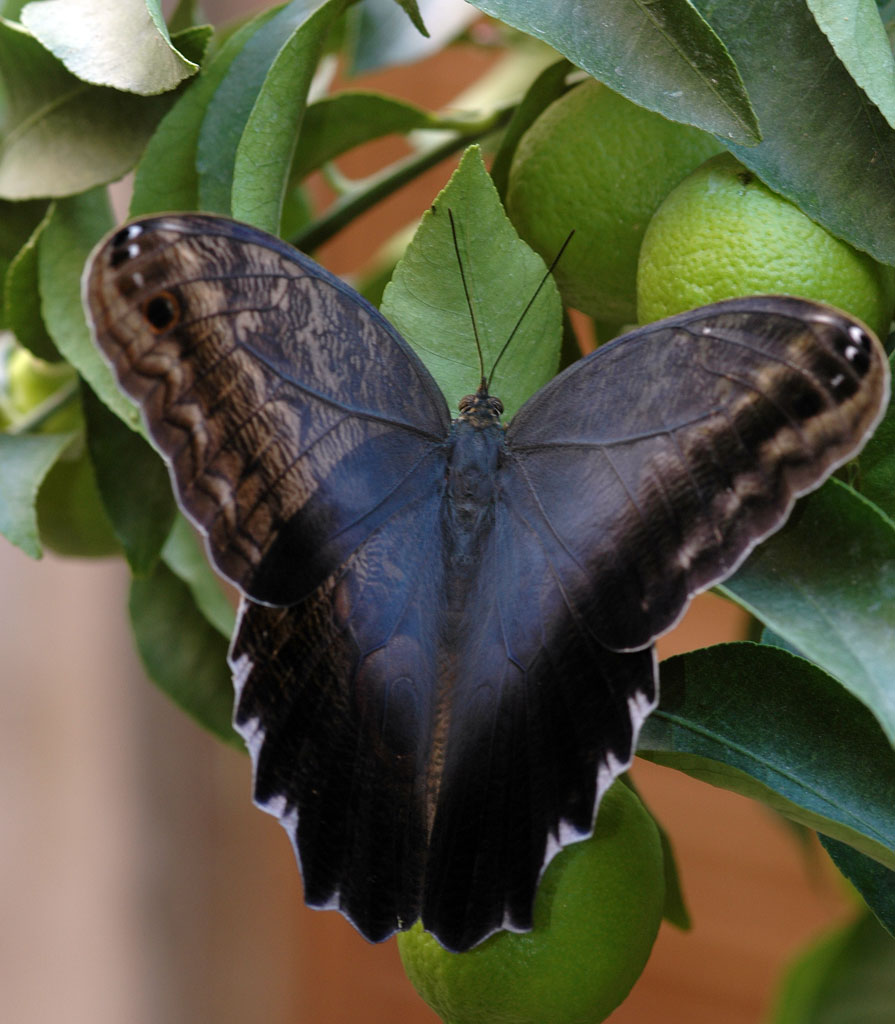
<point x="139" y="884"/>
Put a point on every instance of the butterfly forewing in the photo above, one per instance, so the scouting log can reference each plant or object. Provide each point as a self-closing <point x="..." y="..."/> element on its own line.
<point x="442" y="659"/>
<point x="688" y="441"/>
<point x="292" y="414"/>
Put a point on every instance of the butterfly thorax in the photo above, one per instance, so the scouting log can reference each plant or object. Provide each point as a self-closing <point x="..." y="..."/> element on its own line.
<point x="476" y="442"/>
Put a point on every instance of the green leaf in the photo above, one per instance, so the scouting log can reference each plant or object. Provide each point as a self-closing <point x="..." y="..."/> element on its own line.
<point x="874" y="881"/>
<point x="759" y="721"/>
<point x="63" y="136"/>
<point x="166" y="177"/>
<point x="185" y="557"/>
<point x="133" y="484"/>
<point x="24" y="462"/>
<point x="857" y="34"/>
<point x="847" y="977"/>
<point x="338" y="123"/>
<point x="17" y="223"/>
<point x="185" y="15"/>
<point x="824" y="146"/>
<point x="380" y="35"/>
<point x="76" y="224"/>
<point x="182" y="652"/>
<point x="550" y="84"/>
<point x="119" y="43"/>
<point x="876" y="463"/>
<point x="838" y="609"/>
<point x="425" y="299"/>
<point x="662" y="55"/>
<point x="675" y="909"/>
<point x="21" y="300"/>
<point x="248" y="136"/>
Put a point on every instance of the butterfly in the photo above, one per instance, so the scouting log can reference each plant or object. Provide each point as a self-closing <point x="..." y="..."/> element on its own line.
<point x="444" y="650"/>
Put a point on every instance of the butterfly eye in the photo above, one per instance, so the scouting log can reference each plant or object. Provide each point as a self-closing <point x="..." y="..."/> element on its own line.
<point x="162" y="311"/>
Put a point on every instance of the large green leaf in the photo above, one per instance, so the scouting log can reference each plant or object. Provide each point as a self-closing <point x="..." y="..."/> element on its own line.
<point x="659" y="53"/>
<point x="826" y="583"/>
<point x="17" y="223"/>
<point x="824" y="146"/>
<point x="182" y="652"/>
<point x="847" y="977"/>
<point x="762" y="722"/>
<point x="133" y="484"/>
<point x="24" y="461"/>
<point x="675" y="909"/>
<point x="167" y="177"/>
<point x="184" y="556"/>
<point x="426" y="300"/>
<point x="335" y="124"/>
<point x="76" y="224"/>
<point x="248" y="136"/>
<point x="874" y="881"/>
<point x="119" y="43"/>
<point x="856" y="32"/>
<point x="21" y="299"/>
<point x="63" y="136"/>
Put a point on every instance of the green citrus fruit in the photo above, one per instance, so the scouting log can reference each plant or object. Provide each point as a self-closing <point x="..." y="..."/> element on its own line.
<point x="71" y="518"/>
<point x="596" y="916"/>
<point x="599" y="164"/>
<point x="722" y="233"/>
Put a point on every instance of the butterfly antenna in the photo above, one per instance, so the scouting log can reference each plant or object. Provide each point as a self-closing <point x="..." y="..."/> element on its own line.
<point x="475" y="326"/>
<point x="529" y="304"/>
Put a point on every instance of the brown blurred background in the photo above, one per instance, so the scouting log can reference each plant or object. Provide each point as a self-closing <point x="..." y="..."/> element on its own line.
<point x="138" y="884"/>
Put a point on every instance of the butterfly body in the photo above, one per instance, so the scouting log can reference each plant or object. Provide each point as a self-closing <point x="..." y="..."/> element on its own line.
<point x="444" y="648"/>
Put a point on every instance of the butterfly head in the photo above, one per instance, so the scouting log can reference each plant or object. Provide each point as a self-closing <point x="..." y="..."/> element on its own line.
<point x="481" y="409"/>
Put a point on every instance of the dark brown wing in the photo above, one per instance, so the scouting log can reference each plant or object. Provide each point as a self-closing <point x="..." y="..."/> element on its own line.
<point x="294" y="418"/>
<point x="657" y="463"/>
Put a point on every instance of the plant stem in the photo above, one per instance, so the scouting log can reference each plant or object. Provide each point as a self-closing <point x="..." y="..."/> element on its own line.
<point x="377" y="186"/>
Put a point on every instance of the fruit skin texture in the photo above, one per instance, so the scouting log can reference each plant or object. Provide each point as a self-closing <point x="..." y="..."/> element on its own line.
<point x="723" y="233"/>
<point x="596" y="916"/>
<point x="599" y="164"/>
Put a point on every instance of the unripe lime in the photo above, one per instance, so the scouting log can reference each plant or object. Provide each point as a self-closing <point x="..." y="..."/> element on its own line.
<point x="599" y="164"/>
<point x="596" y="916"/>
<point x="723" y="233"/>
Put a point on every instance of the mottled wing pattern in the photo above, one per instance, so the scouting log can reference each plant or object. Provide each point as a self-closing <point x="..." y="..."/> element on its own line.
<point x="657" y="463"/>
<point x="293" y="416"/>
